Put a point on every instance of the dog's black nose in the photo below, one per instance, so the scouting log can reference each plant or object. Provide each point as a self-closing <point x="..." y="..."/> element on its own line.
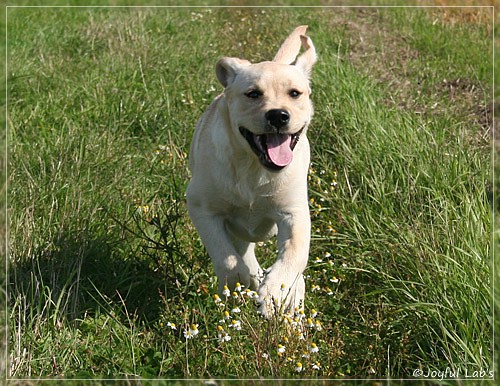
<point x="278" y="118"/>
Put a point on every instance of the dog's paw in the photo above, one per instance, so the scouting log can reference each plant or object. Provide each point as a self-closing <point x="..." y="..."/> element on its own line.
<point x="277" y="297"/>
<point x="270" y="303"/>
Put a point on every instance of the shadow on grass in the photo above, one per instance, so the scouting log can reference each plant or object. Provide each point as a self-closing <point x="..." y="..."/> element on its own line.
<point x="81" y="274"/>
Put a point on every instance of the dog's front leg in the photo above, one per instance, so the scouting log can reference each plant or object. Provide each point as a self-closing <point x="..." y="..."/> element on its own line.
<point x="233" y="259"/>
<point x="283" y="288"/>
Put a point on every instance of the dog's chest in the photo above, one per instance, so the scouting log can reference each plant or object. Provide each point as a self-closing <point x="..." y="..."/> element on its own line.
<point x="253" y="187"/>
<point x="253" y="194"/>
<point x="253" y="210"/>
<point x="256" y="223"/>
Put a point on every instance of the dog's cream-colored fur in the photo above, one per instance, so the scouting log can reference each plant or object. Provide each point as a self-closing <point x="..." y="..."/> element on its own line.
<point x="239" y="195"/>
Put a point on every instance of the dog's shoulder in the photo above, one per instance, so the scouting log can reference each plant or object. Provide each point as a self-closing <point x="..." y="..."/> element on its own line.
<point x="215" y="115"/>
<point x="215" y="111"/>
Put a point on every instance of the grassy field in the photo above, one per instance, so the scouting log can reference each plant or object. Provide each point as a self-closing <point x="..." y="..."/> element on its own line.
<point x="107" y="275"/>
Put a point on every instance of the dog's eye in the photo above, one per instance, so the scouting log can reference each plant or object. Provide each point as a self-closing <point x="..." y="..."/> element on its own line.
<point x="253" y="94"/>
<point x="294" y="93"/>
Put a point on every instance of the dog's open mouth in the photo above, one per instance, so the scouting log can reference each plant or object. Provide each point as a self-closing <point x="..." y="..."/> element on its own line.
<point x="275" y="151"/>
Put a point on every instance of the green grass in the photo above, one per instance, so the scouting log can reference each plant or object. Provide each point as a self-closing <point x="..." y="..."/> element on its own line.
<point x="101" y="109"/>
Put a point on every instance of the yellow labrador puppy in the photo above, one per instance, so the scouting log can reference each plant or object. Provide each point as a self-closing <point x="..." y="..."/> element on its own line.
<point x="249" y="160"/>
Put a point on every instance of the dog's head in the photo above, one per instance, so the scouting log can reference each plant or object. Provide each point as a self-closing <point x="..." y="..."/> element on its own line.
<point x="268" y="102"/>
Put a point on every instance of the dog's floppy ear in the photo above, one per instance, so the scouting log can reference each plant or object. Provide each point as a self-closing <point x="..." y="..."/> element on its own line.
<point x="308" y="58"/>
<point x="227" y="69"/>
<point x="290" y="48"/>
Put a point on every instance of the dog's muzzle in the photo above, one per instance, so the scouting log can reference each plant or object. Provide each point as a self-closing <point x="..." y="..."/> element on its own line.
<point x="275" y="150"/>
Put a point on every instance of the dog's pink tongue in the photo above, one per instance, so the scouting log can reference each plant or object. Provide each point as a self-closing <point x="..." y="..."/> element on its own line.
<point x="278" y="149"/>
